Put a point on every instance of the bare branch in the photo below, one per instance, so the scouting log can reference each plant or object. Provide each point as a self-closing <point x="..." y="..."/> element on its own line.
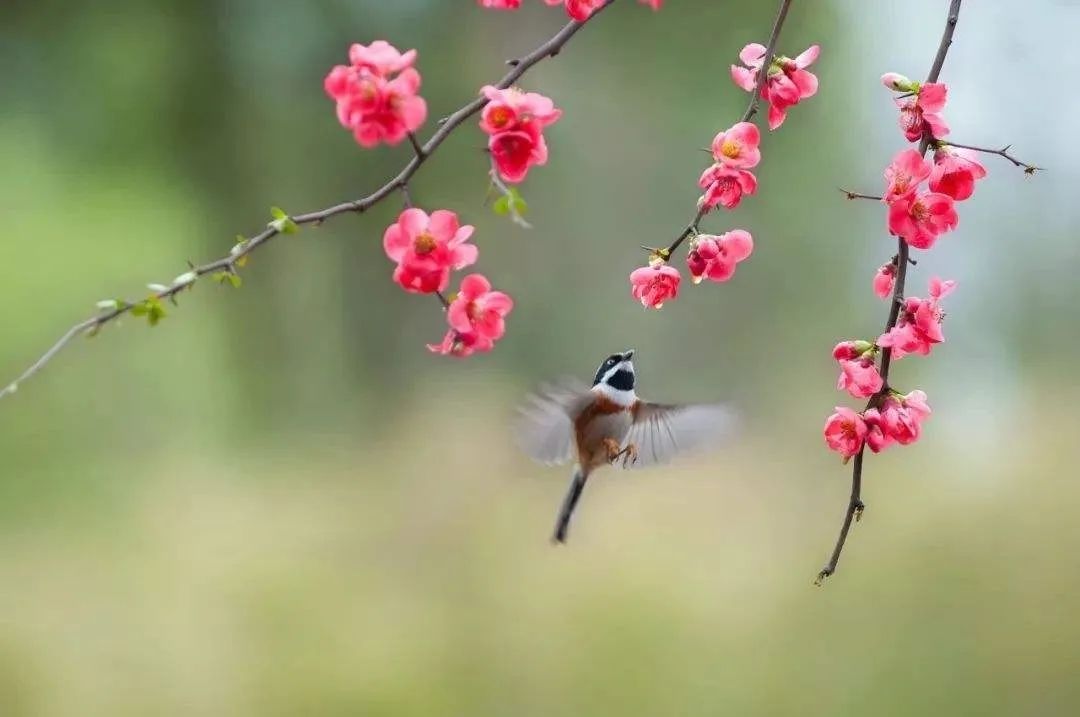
<point x="1003" y="152"/>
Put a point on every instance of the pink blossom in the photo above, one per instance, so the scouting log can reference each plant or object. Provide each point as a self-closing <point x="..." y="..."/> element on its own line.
<point x="514" y="153"/>
<point x="903" y="416"/>
<point x="579" y="10"/>
<point x="478" y="310"/>
<point x="845" y="432"/>
<point x="376" y="105"/>
<point x="653" y="285"/>
<point x="907" y="170"/>
<point x="501" y="4"/>
<point x="459" y="344"/>
<point x="859" y="377"/>
<point x="918" y="326"/>
<point x="515" y="121"/>
<point x="922" y="114"/>
<point x="884" y="280"/>
<point x="516" y="110"/>
<point x="426" y="248"/>
<point x="920" y="218"/>
<point x="877" y="436"/>
<point x="725" y="186"/>
<point x="787" y="80"/>
<point x="847" y="350"/>
<point x="955" y="172"/>
<point x="738" y="147"/>
<point x="714" y="257"/>
<point x="582" y="10"/>
<point x="380" y="58"/>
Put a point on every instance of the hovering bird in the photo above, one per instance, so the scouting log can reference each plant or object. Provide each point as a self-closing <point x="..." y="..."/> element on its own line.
<point x="599" y="426"/>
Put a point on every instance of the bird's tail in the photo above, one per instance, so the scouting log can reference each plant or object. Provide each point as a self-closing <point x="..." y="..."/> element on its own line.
<point x="577" y="485"/>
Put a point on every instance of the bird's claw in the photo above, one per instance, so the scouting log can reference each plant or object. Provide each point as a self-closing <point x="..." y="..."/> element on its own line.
<point x="613" y="450"/>
<point x="629" y="455"/>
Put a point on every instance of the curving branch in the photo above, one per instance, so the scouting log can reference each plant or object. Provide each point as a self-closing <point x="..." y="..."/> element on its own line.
<point x="855" y="504"/>
<point x="1003" y="152"/>
<point x="226" y="266"/>
<point x="751" y="109"/>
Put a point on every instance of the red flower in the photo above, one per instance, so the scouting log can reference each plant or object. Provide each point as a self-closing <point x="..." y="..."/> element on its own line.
<point x="376" y="94"/>
<point x="427" y="248"/>
<point x="653" y="285"/>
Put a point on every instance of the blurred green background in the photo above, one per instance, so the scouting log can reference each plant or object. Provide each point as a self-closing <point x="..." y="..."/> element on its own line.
<point x="278" y="502"/>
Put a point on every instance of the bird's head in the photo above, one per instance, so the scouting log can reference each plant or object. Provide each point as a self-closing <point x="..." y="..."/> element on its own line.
<point x="615" y="377"/>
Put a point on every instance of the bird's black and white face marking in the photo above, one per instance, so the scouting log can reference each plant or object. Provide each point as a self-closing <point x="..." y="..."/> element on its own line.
<point x="615" y="378"/>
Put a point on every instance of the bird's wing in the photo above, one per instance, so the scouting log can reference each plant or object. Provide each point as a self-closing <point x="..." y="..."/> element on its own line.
<point x="661" y="431"/>
<point x="545" y="425"/>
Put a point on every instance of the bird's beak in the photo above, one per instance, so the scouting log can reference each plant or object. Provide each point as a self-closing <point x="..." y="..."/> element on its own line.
<point x="628" y="354"/>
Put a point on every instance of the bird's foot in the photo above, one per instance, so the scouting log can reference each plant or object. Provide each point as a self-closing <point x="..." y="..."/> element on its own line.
<point x="629" y="455"/>
<point x="614" y="450"/>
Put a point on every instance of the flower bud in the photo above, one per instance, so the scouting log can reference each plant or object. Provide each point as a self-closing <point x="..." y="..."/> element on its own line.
<point x="897" y="82"/>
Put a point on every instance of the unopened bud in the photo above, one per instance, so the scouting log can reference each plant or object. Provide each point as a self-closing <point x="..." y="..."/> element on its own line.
<point x="897" y="82"/>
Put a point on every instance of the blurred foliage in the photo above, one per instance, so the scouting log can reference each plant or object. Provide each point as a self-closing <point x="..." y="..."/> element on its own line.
<point x="277" y="502"/>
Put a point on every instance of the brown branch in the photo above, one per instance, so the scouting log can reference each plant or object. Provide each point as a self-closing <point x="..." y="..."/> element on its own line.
<point x="855" y="504"/>
<point x="229" y="262"/>
<point x="1003" y="152"/>
<point x="751" y="109"/>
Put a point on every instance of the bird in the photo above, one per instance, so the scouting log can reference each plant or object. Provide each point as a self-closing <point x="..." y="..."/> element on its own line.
<point x="607" y="424"/>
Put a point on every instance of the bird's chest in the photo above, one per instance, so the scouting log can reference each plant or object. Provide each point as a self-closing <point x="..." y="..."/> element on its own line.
<point x="602" y="419"/>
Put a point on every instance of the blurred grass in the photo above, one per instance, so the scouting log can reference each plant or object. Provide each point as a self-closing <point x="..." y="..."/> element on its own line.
<point x="226" y="586"/>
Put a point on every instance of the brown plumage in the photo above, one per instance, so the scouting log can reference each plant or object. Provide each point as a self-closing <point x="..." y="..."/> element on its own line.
<point x="597" y="426"/>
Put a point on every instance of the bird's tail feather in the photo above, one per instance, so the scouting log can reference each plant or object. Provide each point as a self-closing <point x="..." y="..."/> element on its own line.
<point x="577" y="485"/>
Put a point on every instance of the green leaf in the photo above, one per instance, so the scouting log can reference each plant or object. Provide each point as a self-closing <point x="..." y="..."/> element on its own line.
<point x="140" y="309"/>
<point x="233" y="278"/>
<point x="155" y="311"/>
<point x="282" y="221"/>
<point x="501" y="206"/>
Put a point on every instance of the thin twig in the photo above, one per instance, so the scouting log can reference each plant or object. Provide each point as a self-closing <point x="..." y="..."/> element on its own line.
<point x="1003" y="152"/>
<point x="228" y="263"/>
<point x="856" y="195"/>
<point x="416" y="145"/>
<point x="691" y="229"/>
<point x="855" y="504"/>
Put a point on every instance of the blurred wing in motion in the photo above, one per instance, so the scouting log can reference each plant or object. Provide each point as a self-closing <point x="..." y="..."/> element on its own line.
<point x="545" y="426"/>
<point x="660" y="431"/>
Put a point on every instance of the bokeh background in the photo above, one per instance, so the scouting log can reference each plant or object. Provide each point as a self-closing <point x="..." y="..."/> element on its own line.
<point x="278" y="502"/>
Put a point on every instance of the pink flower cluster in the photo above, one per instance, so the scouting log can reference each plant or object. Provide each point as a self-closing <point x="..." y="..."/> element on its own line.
<point x="787" y="81"/>
<point x="898" y="420"/>
<point x="918" y="216"/>
<point x="735" y="151"/>
<point x="580" y="10"/>
<point x="918" y="327"/>
<point x="477" y="318"/>
<point x="514" y="121"/>
<point x="376" y="93"/>
<point x="426" y="249"/>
